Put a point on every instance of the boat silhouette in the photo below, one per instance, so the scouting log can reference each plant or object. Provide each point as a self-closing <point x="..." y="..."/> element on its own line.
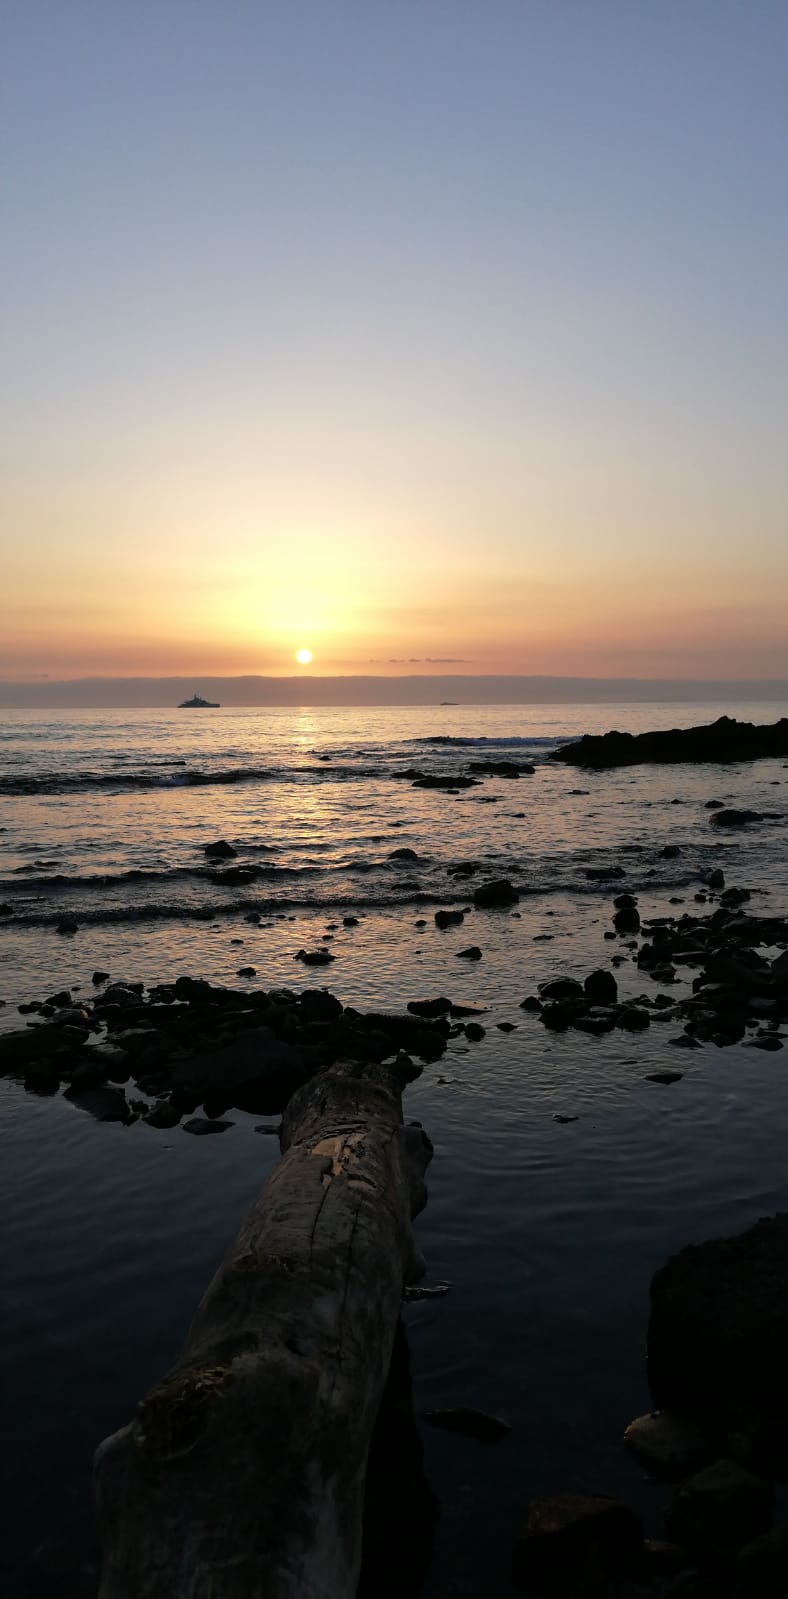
<point x="196" y="703"/>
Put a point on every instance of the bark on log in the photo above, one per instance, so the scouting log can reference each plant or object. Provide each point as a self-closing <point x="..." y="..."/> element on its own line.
<point x="242" y="1475"/>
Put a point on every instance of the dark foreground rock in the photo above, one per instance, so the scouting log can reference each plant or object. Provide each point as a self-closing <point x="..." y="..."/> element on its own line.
<point x="570" y="1544"/>
<point x="723" y="740"/>
<point x="719" y="1509"/>
<point x="718" y="1334"/>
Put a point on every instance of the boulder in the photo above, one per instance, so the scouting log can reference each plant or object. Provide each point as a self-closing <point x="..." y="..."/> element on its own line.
<point x="561" y="988"/>
<point x="668" y="1446"/>
<point x="718" y="1332"/>
<point x="733" y="818"/>
<point x="627" y="920"/>
<point x="601" y="987"/>
<point x="719" y="1509"/>
<point x="445" y="919"/>
<point x="762" y="1565"/>
<point x="498" y="892"/>
<point x="573" y="1543"/>
<point x="220" y="851"/>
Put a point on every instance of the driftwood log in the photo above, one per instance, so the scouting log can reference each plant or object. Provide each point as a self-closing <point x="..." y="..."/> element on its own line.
<point x="242" y="1475"/>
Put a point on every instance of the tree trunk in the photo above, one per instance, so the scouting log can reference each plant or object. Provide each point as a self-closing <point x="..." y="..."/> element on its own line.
<point x="242" y="1475"/>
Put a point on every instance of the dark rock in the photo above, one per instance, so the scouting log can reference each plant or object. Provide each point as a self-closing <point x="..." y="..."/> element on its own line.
<point x="430" y="1007"/>
<point x="404" y="855"/>
<point x="768" y="1041"/>
<point x="633" y="1018"/>
<point x="762" y="1565"/>
<point x="506" y="1027"/>
<point x="669" y="852"/>
<point x="720" y="1508"/>
<point x="601" y="987"/>
<point x="162" y="1114"/>
<point x="716" y="879"/>
<point x="247" y="971"/>
<point x="564" y="1120"/>
<point x="561" y="988"/>
<point x="723" y="740"/>
<point x="62" y="998"/>
<point x="100" y="977"/>
<point x="105" y="1104"/>
<point x="498" y="892"/>
<point x="314" y="957"/>
<point x="627" y="920"/>
<point x="350" y="921"/>
<point x="433" y="780"/>
<point x="42" y="1077"/>
<point x="664" y="1077"/>
<point x="531" y="1003"/>
<point x="684" y="1041"/>
<point x="603" y="874"/>
<point x="732" y="818"/>
<point x="502" y="768"/>
<point x="475" y="1032"/>
<point x="318" y="1005"/>
<point x="718" y="1331"/>
<point x="6" y="909"/>
<point x="668" y="1446"/>
<point x="570" y="1544"/>
<point x="472" y="953"/>
<point x="470" y="1423"/>
<point x="201" y="1125"/>
<point x="220" y="851"/>
<point x="67" y="924"/>
<point x="448" y="918"/>
<point x="624" y="902"/>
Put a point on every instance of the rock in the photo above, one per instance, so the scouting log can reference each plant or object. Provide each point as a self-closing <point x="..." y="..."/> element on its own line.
<point x="162" y="1114"/>
<point x="314" y="957"/>
<point x="506" y="1027"/>
<point x="531" y="1003"/>
<point x="201" y="1126"/>
<point x="350" y="921"/>
<point x="448" y="918"/>
<point x="601" y="987"/>
<point x="564" y="1120"/>
<point x="6" y="909"/>
<point x="664" y="1077"/>
<point x="716" y="879"/>
<point x="669" y="852"/>
<point x="718" y="1331"/>
<point x="668" y="1446"/>
<point x="430" y="1007"/>
<point x="633" y="1018"/>
<point x="475" y="1032"/>
<point x="67" y="924"/>
<point x="627" y="920"/>
<point x="416" y="1291"/>
<point x="720" y="1508"/>
<point x="247" y="971"/>
<point x="404" y="855"/>
<point x="100" y="977"/>
<point x="570" y="1544"/>
<point x="624" y="902"/>
<point x="498" y="892"/>
<point x="320" y="1006"/>
<point x="434" y="780"/>
<point x="472" y="953"/>
<point x="502" y="768"/>
<point x="769" y="1041"/>
<point x="220" y="851"/>
<point x="105" y="1104"/>
<point x="732" y="818"/>
<point x="602" y="874"/>
<point x="723" y="740"/>
<point x="684" y="1041"/>
<point x="561" y="988"/>
<point x="470" y="1423"/>
<point x="762" y="1565"/>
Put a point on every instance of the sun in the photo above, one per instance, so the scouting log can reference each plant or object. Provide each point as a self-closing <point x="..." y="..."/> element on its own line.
<point x="303" y="657"/>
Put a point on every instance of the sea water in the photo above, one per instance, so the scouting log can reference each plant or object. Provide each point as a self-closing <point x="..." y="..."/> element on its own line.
<point x="547" y="1231"/>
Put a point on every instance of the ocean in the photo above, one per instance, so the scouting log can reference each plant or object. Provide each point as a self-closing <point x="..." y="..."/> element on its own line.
<point x="548" y="1231"/>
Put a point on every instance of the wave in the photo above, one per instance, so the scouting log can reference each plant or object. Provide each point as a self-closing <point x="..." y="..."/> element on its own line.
<point x="230" y="875"/>
<point x="80" y="782"/>
<point x="515" y="741"/>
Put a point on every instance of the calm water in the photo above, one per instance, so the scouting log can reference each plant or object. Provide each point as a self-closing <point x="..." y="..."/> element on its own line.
<point x="548" y="1233"/>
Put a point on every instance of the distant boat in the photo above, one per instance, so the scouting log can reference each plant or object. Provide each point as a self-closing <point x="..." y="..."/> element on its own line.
<point x="198" y="704"/>
<point x="450" y="702"/>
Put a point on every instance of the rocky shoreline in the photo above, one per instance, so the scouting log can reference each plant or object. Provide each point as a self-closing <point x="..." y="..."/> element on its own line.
<point x="721" y="741"/>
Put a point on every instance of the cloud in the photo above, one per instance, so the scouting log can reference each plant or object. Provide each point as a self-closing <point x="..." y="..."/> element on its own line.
<point x="423" y="660"/>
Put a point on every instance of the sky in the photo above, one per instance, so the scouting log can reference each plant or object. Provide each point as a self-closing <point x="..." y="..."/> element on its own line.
<point x="426" y="336"/>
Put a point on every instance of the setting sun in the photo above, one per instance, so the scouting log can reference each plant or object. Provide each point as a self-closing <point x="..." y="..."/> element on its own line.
<point x="303" y="657"/>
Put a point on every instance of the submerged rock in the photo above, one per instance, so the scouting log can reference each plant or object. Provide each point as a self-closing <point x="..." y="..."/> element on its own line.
<point x="448" y="918"/>
<point x="498" y="892"/>
<point x="733" y="818"/>
<point x="719" y="1509"/>
<point x="470" y="1422"/>
<point x="220" y="851"/>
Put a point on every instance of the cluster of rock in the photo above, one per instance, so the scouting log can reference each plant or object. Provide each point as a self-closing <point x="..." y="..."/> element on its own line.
<point x="736" y="988"/>
<point x="723" y="740"/>
<point x="194" y="1044"/>
<point x="716" y="1358"/>
<point x="452" y="782"/>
